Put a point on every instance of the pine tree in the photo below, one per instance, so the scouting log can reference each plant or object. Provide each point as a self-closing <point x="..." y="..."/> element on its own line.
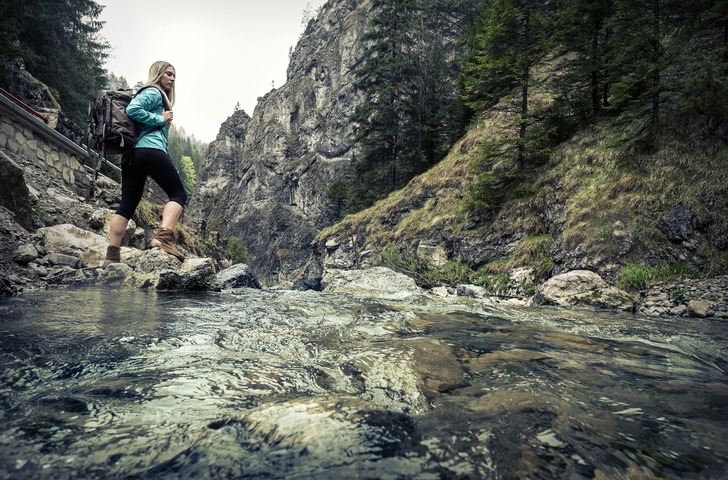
<point x="699" y="105"/>
<point x="410" y="116"/>
<point x="187" y="173"/>
<point x="582" y="33"/>
<point x="647" y="38"/>
<point x="187" y="155"/>
<point x="384" y="76"/>
<point x="511" y="38"/>
<point x="61" y="46"/>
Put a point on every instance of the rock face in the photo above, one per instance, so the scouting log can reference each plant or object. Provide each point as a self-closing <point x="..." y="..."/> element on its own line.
<point x="14" y="193"/>
<point x="264" y="178"/>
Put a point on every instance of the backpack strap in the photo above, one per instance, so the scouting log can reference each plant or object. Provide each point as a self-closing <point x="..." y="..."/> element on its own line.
<point x="165" y="106"/>
<point x="164" y="109"/>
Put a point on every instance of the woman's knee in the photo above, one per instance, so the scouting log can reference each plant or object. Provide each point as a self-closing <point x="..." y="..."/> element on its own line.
<point x="125" y="211"/>
<point x="179" y="197"/>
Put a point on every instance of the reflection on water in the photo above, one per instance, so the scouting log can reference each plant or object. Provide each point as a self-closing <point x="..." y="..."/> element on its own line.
<point x="251" y="384"/>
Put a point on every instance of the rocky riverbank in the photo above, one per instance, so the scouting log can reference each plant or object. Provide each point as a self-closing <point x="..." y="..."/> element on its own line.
<point x="687" y="298"/>
<point x="50" y="237"/>
<point x="694" y="298"/>
<point x="65" y="255"/>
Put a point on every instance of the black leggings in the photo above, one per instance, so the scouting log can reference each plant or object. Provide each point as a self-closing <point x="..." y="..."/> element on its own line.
<point x="148" y="162"/>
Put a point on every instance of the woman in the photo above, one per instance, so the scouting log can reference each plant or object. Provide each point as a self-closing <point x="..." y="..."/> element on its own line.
<point x="151" y="108"/>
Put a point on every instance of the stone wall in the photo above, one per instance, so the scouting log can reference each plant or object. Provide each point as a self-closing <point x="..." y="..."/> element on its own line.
<point x="23" y="133"/>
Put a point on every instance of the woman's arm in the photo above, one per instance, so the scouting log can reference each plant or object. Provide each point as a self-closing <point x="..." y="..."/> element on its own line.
<point x="143" y="108"/>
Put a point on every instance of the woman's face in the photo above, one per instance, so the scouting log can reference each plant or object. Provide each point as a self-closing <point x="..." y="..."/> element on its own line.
<point x="167" y="80"/>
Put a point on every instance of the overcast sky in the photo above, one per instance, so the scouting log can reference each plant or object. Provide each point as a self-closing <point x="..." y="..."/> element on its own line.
<point x="224" y="51"/>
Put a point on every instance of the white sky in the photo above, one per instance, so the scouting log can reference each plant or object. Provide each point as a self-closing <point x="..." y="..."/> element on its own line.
<point x="224" y="51"/>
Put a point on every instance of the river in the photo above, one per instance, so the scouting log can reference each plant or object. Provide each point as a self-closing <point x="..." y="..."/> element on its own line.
<point x="135" y="384"/>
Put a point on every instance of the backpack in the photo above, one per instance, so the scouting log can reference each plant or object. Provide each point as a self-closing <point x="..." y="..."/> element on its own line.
<point x="110" y="130"/>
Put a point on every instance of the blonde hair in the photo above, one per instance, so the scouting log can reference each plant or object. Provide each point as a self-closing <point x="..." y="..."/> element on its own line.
<point x="155" y="74"/>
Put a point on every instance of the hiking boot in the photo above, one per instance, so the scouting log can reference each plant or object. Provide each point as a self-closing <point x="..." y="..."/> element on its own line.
<point x="164" y="239"/>
<point x="113" y="255"/>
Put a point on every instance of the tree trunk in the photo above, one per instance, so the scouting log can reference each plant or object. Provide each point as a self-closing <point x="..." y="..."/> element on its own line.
<point x="655" y="87"/>
<point x="522" y="130"/>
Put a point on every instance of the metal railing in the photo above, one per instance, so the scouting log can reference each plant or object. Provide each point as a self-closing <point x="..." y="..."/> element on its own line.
<point x="37" y="122"/>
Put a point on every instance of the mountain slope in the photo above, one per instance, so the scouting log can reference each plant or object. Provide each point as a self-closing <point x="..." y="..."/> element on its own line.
<point x="593" y="206"/>
<point x="265" y="177"/>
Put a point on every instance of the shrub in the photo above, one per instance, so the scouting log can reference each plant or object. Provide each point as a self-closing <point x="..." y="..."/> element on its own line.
<point x="678" y="295"/>
<point x="237" y="252"/>
<point x="405" y="260"/>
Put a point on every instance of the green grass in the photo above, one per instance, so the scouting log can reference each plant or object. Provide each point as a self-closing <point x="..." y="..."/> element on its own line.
<point x="405" y="260"/>
<point x="634" y="277"/>
<point x="497" y="283"/>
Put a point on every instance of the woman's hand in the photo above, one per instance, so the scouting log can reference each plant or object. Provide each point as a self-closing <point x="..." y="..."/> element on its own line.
<point x="168" y="116"/>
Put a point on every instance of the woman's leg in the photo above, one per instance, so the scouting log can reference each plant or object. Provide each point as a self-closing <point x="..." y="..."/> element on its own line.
<point x="133" y="181"/>
<point x="162" y="171"/>
<point x="170" y="215"/>
<point x="117" y="227"/>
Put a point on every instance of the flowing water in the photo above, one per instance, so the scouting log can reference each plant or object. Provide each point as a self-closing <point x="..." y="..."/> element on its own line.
<point x="133" y="384"/>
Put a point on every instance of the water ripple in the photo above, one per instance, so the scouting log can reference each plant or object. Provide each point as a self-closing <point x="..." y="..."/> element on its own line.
<point x="277" y="384"/>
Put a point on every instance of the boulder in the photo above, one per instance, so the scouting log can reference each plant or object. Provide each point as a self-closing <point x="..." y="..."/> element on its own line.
<point x="582" y="288"/>
<point x="62" y="260"/>
<point x="698" y="308"/>
<point x="194" y="274"/>
<point x="237" y="276"/>
<point x="25" y="254"/>
<point x="149" y="261"/>
<point x="146" y="266"/>
<point x="472" y="291"/>
<point x="371" y="281"/>
<point x="71" y="240"/>
<point x="114" y="273"/>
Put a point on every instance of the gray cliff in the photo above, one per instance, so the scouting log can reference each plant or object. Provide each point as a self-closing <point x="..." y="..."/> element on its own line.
<point x="265" y="177"/>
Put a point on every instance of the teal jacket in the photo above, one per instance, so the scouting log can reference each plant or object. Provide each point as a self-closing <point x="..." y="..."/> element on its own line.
<point x="146" y="108"/>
